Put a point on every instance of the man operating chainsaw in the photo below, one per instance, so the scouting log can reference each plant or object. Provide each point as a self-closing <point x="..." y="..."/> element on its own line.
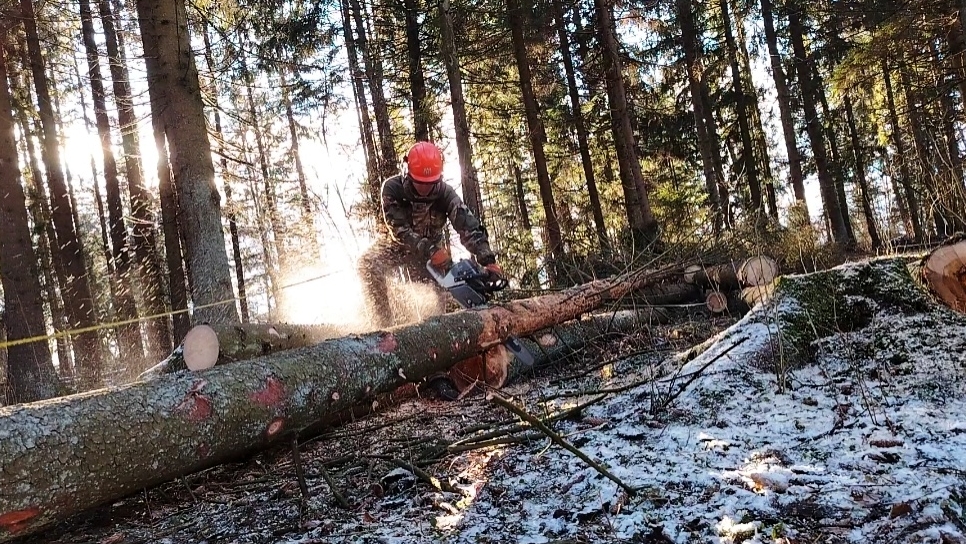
<point x="416" y="206"/>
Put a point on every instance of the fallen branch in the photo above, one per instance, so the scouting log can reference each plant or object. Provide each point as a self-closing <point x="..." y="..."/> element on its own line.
<point x="562" y="442"/>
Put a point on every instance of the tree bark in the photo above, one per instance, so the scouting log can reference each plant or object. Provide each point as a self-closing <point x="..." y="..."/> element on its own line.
<point x="29" y="369"/>
<point x="417" y="82"/>
<point x="695" y="69"/>
<point x="125" y="305"/>
<point x="744" y="115"/>
<point x="516" y="16"/>
<point x="78" y="302"/>
<point x="583" y="145"/>
<point x="202" y="419"/>
<point x="644" y="227"/>
<point x="803" y="65"/>
<point x="470" y="183"/>
<point x="905" y="179"/>
<point x="171" y="71"/>
<point x="144" y="234"/>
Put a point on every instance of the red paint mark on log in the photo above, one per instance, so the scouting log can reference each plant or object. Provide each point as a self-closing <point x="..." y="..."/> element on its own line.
<point x="387" y="342"/>
<point x="200" y="409"/>
<point x="274" y="427"/>
<point x="195" y="405"/>
<point x="271" y="394"/>
<point x="14" y="522"/>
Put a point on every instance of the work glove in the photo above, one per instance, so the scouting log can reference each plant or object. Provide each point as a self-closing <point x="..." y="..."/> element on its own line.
<point x="424" y="247"/>
<point x="495" y="273"/>
<point x="441" y="260"/>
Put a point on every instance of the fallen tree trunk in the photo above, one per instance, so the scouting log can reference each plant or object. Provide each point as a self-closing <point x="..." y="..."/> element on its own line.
<point x="497" y="366"/>
<point x="64" y="455"/>
<point x="239" y="342"/>
<point x="733" y="275"/>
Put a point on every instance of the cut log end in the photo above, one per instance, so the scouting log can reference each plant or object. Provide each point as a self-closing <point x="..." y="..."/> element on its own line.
<point x="760" y="270"/>
<point x="752" y="296"/>
<point x="200" y="348"/>
<point x="944" y="272"/>
<point x="717" y="302"/>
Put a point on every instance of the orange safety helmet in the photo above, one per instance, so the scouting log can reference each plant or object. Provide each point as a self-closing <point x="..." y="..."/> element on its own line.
<point x="425" y="162"/>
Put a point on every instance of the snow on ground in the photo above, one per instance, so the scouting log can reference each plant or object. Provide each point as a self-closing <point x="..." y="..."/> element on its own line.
<point x="865" y="444"/>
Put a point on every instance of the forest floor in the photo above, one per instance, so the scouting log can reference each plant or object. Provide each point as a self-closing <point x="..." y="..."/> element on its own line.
<point x="866" y="444"/>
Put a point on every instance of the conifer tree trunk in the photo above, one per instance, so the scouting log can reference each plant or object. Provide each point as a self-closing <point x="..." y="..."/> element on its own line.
<point x="168" y="195"/>
<point x="578" y="117"/>
<point x="174" y="259"/>
<point x="306" y="202"/>
<point x="29" y="369"/>
<point x="171" y="70"/>
<point x="417" y="82"/>
<point x="743" y="114"/>
<point x="953" y="196"/>
<point x="78" y="302"/>
<point x="927" y="158"/>
<point x="516" y="17"/>
<point x="521" y="197"/>
<point x="374" y="76"/>
<point x="757" y="128"/>
<point x="230" y="213"/>
<point x="860" y="177"/>
<point x="692" y="60"/>
<point x="905" y="179"/>
<point x="724" y="191"/>
<point x="835" y="158"/>
<point x="125" y="306"/>
<point x="471" y="185"/>
<point x="830" y="199"/>
<point x="144" y="235"/>
<point x="644" y="227"/>
<point x="374" y="185"/>
<point x="39" y="209"/>
<point x="784" y="106"/>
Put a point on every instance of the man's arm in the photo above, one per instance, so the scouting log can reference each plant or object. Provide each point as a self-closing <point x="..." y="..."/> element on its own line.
<point x="471" y="232"/>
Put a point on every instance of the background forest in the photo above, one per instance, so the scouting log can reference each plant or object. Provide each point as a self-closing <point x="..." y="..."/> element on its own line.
<point x="159" y="155"/>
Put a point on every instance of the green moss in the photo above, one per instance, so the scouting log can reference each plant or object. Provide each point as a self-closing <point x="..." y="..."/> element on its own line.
<point x="821" y="304"/>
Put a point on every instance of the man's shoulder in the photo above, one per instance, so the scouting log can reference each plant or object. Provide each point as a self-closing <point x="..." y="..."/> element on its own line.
<point x="393" y="186"/>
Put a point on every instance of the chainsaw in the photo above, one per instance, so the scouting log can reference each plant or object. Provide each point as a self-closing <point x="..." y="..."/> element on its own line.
<point x="472" y="286"/>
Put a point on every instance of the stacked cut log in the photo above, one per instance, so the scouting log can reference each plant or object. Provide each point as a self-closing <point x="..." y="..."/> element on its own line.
<point x="735" y="286"/>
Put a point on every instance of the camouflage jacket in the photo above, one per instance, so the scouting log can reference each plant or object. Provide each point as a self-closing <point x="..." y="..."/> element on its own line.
<point x="412" y="217"/>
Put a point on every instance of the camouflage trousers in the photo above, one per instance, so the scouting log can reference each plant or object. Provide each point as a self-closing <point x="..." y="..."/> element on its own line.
<point x="385" y="260"/>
